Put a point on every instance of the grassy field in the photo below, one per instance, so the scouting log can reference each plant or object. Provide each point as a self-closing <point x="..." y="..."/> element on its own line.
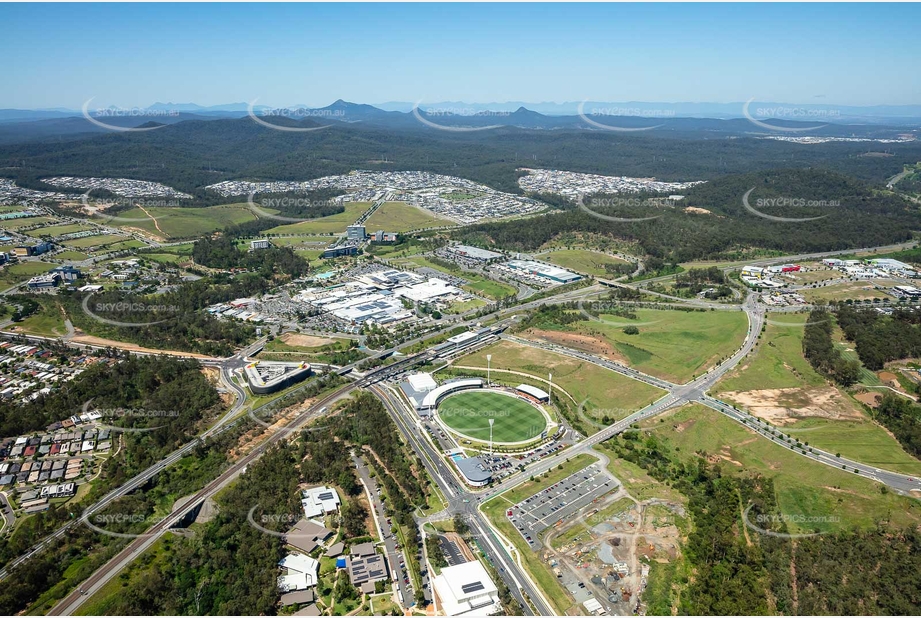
<point x="15" y="224"/>
<point x="186" y="222"/>
<point x="332" y="224"/>
<point x="402" y="217"/>
<point x="804" y="487"/>
<point x="71" y="255"/>
<point x="777" y="363"/>
<point x="466" y="305"/>
<point x="855" y="290"/>
<point x="469" y="412"/>
<point x="12" y="274"/>
<point x="57" y="230"/>
<point x="125" y="244"/>
<point x="46" y="322"/>
<point x="674" y="345"/>
<point x="605" y="392"/>
<point x="102" y="240"/>
<point x="583" y="261"/>
<point x="164" y="258"/>
<point x="488" y="287"/>
<point x="538" y="569"/>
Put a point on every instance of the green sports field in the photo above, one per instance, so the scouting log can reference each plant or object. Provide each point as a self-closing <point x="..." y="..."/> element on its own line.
<point x="469" y="413"/>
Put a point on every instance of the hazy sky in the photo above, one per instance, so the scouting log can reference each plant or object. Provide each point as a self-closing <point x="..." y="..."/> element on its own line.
<point x="134" y="55"/>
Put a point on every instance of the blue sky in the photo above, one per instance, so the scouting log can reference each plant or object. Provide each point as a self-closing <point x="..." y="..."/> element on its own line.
<point x="134" y="55"/>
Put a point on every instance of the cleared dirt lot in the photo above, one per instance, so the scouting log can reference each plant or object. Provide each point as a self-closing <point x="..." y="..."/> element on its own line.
<point x="576" y="341"/>
<point x="306" y="341"/>
<point x="781" y="406"/>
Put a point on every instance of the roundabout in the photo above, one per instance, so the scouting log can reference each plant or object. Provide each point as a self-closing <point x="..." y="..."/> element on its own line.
<point x="516" y="420"/>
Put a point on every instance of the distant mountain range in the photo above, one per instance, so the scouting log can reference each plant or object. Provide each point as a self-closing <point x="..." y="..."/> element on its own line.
<point x="827" y="111"/>
<point x="711" y="118"/>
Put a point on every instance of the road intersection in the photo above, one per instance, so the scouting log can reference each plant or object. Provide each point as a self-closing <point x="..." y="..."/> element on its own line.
<point x="461" y="499"/>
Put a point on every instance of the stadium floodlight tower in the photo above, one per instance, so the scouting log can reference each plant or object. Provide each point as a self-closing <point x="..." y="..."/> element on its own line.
<point x="491" y="421"/>
<point x="488" y="361"/>
<point x="550" y="394"/>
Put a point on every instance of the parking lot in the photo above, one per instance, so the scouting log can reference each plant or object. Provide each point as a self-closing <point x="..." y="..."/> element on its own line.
<point x="559" y="502"/>
<point x="451" y="551"/>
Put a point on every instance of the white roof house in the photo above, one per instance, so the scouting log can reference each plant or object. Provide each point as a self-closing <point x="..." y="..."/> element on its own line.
<point x="467" y="589"/>
<point x="301" y="572"/>
<point x="319" y="501"/>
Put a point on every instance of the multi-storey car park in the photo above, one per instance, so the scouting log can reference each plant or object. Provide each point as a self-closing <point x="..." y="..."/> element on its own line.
<point x="266" y="377"/>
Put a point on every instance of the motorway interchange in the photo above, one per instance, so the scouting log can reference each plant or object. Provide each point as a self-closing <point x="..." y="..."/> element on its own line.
<point x="460" y="498"/>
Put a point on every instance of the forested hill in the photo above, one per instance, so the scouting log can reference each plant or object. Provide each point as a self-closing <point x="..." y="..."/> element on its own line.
<point x="193" y="154"/>
<point x="863" y="218"/>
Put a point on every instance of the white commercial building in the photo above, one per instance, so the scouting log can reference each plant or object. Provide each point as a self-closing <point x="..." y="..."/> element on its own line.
<point x="427" y="291"/>
<point x="319" y="501"/>
<point x="300" y="572"/>
<point x="467" y="589"/>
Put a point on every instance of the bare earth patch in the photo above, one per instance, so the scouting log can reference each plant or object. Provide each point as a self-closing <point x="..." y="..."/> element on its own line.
<point x="781" y="406"/>
<point x="131" y="347"/>
<point x="576" y="341"/>
<point x="697" y="211"/>
<point x="871" y="399"/>
<point x="306" y="341"/>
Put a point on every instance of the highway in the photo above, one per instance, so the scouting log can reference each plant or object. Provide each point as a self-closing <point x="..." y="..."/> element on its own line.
<point x="461" y="499"/>
<point x="109" y="570"/>
<point x="69" y="604"/>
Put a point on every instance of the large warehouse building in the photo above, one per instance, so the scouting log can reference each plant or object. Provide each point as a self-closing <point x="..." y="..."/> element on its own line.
<point x="544" y="271"/>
